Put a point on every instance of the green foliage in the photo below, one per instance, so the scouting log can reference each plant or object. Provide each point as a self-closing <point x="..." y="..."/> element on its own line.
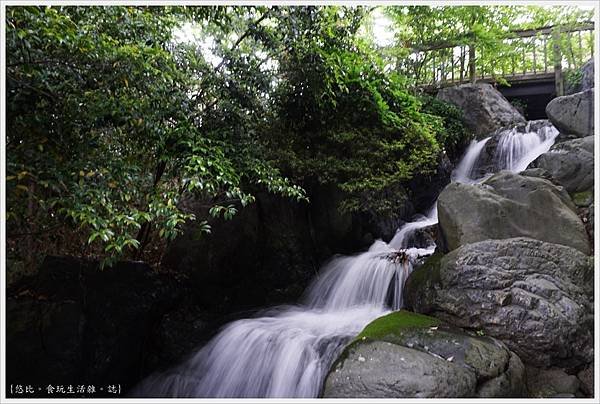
<point x="573" y="78"/>
<point x="341" y="118"/>
<point x="104" y="135"/>
<point x="451" y="133"/>
<point x="114" y="126"/>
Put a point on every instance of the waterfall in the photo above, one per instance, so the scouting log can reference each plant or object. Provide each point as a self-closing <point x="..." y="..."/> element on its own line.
<point x="287" y="351"/>
<point x="464" y="170"/>
<point x="516" y="150"/>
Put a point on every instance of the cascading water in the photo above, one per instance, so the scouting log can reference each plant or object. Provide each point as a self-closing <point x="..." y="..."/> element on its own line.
<point x="464" y="171"/>
<point x="287" y="350"/>
<point x="516" y="150"/>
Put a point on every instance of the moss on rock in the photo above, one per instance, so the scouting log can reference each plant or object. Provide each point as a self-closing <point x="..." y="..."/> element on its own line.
<point x="583" y="199"/>
<point x="394" y="323"/>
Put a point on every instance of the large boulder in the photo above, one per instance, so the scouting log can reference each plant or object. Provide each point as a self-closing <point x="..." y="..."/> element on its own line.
<point x="484" y="108"/>
<point x="404" y="355"/>
<point x="570" y="163"/>
<point x="573" y="114"/>
<point x="536" y="297"/>
<point x="509" y="205"/>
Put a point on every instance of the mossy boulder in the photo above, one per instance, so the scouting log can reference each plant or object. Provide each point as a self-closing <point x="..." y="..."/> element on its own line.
<point x="405" y="354"/>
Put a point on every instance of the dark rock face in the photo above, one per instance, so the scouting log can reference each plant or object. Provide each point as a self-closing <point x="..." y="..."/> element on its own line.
<point x="270" y="250"/>
<point x="536" y="297"/>
<point x="509" y="205"/>
<point x="484" y="108"/>
<point x="573" y="114"/>
<point x="421" y="360"/>
<point x="425" y="189"/>
<point x="75" y="324"/>
<point x="570" y="163"/>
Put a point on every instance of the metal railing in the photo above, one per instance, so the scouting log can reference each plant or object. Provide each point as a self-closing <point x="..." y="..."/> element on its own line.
<point x="522" y="55"/>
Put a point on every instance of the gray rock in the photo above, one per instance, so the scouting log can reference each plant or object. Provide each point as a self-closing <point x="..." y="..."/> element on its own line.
<point x="484" y="108"/>
<point x="573" y="114"/>
<point x="420" y="360"/>
<point x="550" y="382"/>
<point x="570" y="163"/>
<point x="537" y="297"/>
<point x="590" y="218"/>
<point x="587" y="79"/>
<point x="586" y="378"/>
<point x="538" y="173"/>
<point x="509" y="205"/>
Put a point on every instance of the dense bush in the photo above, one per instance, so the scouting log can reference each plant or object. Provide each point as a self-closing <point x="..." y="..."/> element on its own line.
<point x="451" y="133"/>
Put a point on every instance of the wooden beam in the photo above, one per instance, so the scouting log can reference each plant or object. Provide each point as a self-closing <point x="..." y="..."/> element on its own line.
<point x="452" y="43"/>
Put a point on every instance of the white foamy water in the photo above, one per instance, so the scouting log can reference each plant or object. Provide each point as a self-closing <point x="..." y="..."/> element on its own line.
<point x="516" y="150"/>
<point x="464" y="170"/>
<point x="287" y="351"/>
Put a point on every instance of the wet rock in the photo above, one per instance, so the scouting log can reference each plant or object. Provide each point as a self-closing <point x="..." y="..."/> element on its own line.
<point x="425" y="189"/>
<point x="484" y="108"/>
<point x="586" y="379"/>
<point x="570" y="163"/>
<point x="573" y="114"/>
<point x="552" y="382"/>
<point x="536" y="297"/>
<point x="405" y="355"/>
<point x="509" y="205"/>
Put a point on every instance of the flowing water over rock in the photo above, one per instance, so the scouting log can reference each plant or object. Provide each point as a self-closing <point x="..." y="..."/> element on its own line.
<point x="287" y="351"/>
<point x="516" y="149"/>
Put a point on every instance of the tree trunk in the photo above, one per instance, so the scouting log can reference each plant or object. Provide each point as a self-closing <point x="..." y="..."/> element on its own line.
<point x="472" y="68"/>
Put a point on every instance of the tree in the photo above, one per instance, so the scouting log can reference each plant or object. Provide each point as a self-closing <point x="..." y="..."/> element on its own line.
<point x="113" y="125"/>
<point x="110" y="124"/>
<point x="340" y="117"/>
